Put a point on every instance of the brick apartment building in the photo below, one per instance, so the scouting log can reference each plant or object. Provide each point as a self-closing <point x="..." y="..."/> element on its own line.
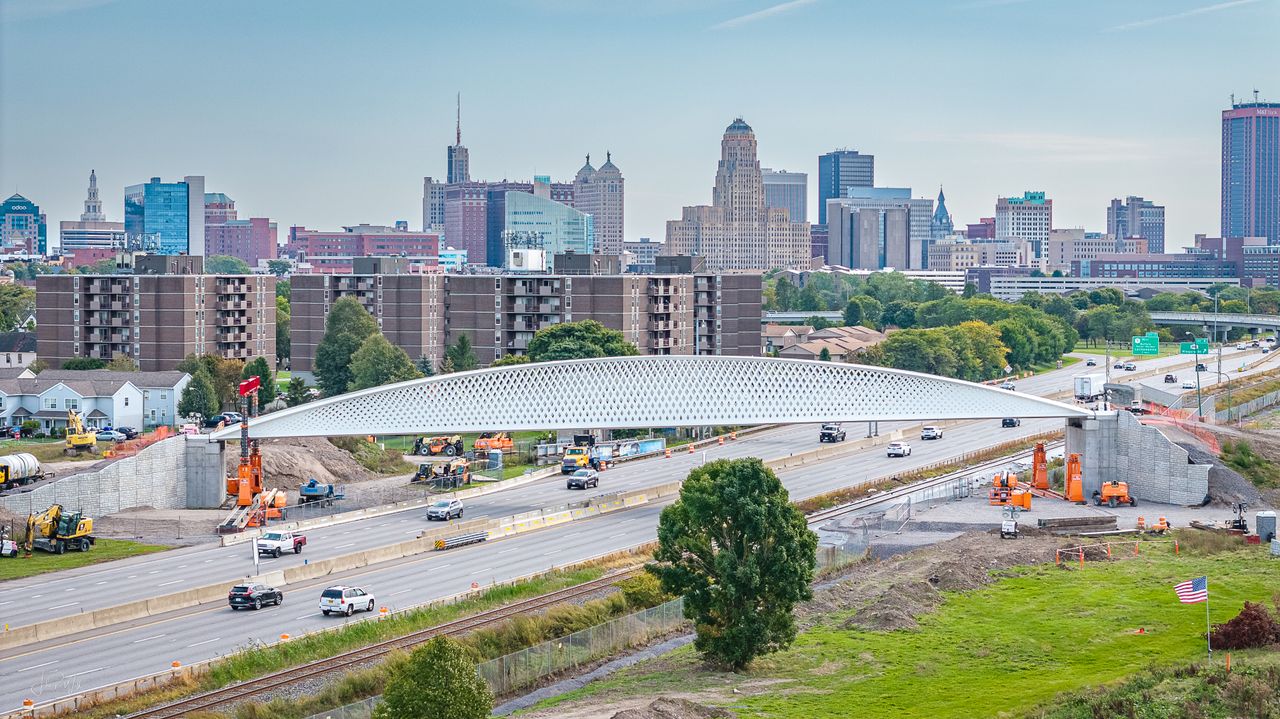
<point x="674" y="313"/>
<point x="164" y="311"/>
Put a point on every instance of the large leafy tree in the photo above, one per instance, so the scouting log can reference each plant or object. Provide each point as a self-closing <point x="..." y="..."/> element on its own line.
<point x="578" y="340"/>
<point x="84" y="363"/>
<point x="122" y="363"/>
<point x="279" y="268"/>
<point x="379" y="362"/>
<point x="226" y="265"/>
<point x="297" y="392"/>
<point x="349" y="324"/>
<point x="437" y="681"/>
<point x="284" y="322"/>
<point x="198" y="397"/>
<point x="16" y="305"/>
<point x="258" y="367"/>
<point x="741" y="555"/>
<point x="505" y="360"/>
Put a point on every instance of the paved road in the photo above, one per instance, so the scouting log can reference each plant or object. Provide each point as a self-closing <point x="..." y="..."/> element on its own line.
<point x="57" y="670"/>
<point x="1232" y="360"/>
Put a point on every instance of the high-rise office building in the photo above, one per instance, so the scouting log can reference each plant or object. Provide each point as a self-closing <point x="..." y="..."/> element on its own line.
<point x="1136" y="217"/>
<point x="166" y="218"/>
<point x="539" y="223"/>
<point x="1025" y="219"/>
<point x="225" y="233"/>
<point x="92" y="237"/>
<point x="879" y="227"/>
<point x="23" y="227"/>
<point x="788" y="190"/>
<point x="459" y="163"/>
<point x="1251" y="170"/>
<point x="432" y="205"/>
<point x="839" y="170"/>
<point x="599" y="193"/>
<point x="738" y="231"/>
<point x="941" y="226"/>
<point x="336" y="252"/>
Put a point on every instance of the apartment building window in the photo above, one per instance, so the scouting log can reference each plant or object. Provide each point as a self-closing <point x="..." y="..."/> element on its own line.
<point x="75" y="315"/>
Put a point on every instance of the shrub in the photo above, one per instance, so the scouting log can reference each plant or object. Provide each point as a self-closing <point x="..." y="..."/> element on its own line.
<point x="643" y="590"/>
<point x="1252" y="627"/>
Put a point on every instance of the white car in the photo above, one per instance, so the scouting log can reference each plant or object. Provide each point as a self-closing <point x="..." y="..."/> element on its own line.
<point x="899" y="449"/>
<point x="930" y="432"/>
<point x="1188" y="384"/>
<point x="346" y="600"/>
<point x="1007" y="385"/>
<point x="1240" y="345"/>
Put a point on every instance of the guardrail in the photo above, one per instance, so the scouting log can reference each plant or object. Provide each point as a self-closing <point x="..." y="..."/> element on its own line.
<point x="461" y="540"/>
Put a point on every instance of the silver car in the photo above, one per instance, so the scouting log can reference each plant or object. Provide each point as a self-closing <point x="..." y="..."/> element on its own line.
<point x="445" y="509"/>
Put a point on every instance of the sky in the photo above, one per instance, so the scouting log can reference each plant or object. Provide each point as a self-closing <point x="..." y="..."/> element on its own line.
<point x="325" y="113"/>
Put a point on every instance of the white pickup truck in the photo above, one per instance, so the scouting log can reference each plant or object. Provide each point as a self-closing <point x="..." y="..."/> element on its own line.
<point x="277" y="543"/>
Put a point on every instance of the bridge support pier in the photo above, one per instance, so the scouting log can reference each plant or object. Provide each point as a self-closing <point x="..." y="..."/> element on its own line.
<point x="1116" y="446"/>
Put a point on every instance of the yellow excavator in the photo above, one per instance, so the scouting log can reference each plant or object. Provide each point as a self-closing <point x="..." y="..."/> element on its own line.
<point x="79" y="438"/>
<point x="56" y="531"/>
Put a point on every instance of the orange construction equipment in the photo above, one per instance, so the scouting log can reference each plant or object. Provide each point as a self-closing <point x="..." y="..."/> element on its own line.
<point x="500" y="441"/>
<point x="271" y="507"/>
<point x="1113" y="493"/>
<point x="1039" y="468"/>
<point x="1074" y="480"/>
<point x="1006" y="491"/>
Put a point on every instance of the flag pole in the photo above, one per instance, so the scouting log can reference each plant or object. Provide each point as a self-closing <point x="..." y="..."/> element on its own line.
<point x="1208" y="628"/>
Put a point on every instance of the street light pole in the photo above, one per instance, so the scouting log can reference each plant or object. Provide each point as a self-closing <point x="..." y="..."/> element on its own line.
<point x="1199" y="406"/>
<point x="1220" y="377"/>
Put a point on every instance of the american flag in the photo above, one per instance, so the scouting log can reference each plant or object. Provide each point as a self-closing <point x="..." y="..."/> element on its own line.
<point x="1193" y="591"/>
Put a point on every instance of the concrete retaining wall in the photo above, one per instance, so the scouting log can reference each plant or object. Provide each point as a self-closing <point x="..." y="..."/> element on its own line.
<point x="1116" y="446"/>
<point x="1244" y="410"/>
<point x="154" y="477"/>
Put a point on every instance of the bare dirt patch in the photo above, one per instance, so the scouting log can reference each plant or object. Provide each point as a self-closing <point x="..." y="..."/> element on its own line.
<point x="674" y="709"/>
<point x="288" y="463"/>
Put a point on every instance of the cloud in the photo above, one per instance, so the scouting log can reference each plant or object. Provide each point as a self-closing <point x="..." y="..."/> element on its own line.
<point x="1156" y="20"/>
<point x="16" y="10"/>
<point x="762" y="14"/>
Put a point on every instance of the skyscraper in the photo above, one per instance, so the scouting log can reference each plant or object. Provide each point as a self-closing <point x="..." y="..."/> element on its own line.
<point x="1136" y="217"/>
<point x="941" y="226"/>
<point x="599" y="193"/>
<point x="1025" y="219"/>
<point x="788" y="190"/>
<point x="839" y="170"/>
<point x="23" y="227"/>
<point x="1251" y="170"/>
<point x="738" y="231"/>
<point x="432" y="205"/>
<point x="459" y="168"/>
<point x="166" y="217"/>
<point x="878" y="227"/>
<point x="91" y="238"/>
<point x="92" y="203"/>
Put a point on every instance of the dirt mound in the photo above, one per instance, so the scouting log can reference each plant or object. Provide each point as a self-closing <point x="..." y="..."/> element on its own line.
<point x="890" y="594"/>
<point x="675" y="709"/>
<point x="1227" y="487"/>
<point x="287" y="463"/>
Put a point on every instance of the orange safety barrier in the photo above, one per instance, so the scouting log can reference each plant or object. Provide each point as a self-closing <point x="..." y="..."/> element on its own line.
<point x="720" y="441"/>
<point x="666" y="453"/>
<point x="691" y="448"/>
<point x="175" y="664"/>
<point x="1078" y="552"/>
<point x="1142" y="523"/>
<point x="284" y="637"/>
<point x="733" y="435"/>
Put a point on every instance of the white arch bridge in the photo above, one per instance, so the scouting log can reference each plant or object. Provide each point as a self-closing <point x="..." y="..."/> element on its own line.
<point x="649" y="391"/>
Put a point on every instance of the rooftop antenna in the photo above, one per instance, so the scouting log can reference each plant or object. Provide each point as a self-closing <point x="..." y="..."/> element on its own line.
<point x="459" y="141"/>
<point x="1233" y="99"/>
<point x="1255" y="95"/>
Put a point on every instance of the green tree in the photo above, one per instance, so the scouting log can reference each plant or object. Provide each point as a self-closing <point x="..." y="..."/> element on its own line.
<point x="224" y="373"/>
<point x="825" y="355"/>
<point x="818" y="322"/>
<point x="258" y="367"/>
<point x="226" y="265"/>
<point x="505" y="360"/>
<point x="283" y="288"/>
<point x="786" y="295"/>
<point x="741" y="555"/>
<point x="349" y="324"/>
<point x="41" y="364"/>
<point x="437" y="681"/>
<point x="425" y="366"/>
<point x="460" y="354"/>
<point x="446" y="365"/>
<point x="279" y="268"/>
<point x="853" y="314"/>
<point x="900" y="314"/>
<point x="84" y="363"/>
<point x="101" y="267"/>
<point x="296" y="394"/>
<point x="579" y="340"/>
<point x="970" y="290"/>
<point x="379" y="362"/>
<point x="122" y="363"/>
<point x="198" y="398"/>
<point x="284" y="324"/>
<point x="17" y="303"/>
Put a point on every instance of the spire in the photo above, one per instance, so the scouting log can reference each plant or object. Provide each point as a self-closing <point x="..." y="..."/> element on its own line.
<point x="608" y="157"/>
<point x="92" y="205"/>
<point x="459" y="138"/>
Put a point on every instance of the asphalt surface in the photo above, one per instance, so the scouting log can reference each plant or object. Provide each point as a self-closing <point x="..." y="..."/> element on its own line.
<point x="68" y="666"/>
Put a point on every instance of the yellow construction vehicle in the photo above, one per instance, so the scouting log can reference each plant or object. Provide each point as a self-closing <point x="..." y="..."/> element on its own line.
<point x="56" y="531"/>
<point x="79" y="438"/>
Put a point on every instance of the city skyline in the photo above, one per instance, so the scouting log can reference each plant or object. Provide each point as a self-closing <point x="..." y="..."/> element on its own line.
<point x="301" y="139"/>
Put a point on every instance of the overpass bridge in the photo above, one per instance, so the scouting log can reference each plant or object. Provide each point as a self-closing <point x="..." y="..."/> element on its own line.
<point x="1223" y="320"/>
<point x="767" y="317"/>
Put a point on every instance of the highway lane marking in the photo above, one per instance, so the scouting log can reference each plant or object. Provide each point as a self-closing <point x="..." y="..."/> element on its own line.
<point x="132" y="576"/>
<point x="147" y="639"/>
<point x="482" y="571"/>
<point x="305" y="616"/>
<point x="513" y="549"/>
<point x="554" y="551"/>
<point x="36" y="596"/>
<point x="615" y="536"/>
<point x="98" y="583"/>
<point x="69" y="590"/>
<point x="207" y="641"/>
<point x="55" y="661"/>
<point x="344" y="546"/>
<point x="154" y="571"/>
<point x="4" y="603"/>
<point x="87" y="671"/>
<point x="402" y="591"/>
<point x="206" y="561"/>
<point x="165" y="584"/>
<point x="61" y="606"/>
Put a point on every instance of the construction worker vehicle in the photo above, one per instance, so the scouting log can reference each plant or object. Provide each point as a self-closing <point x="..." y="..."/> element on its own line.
<point x="488" y="441"/>
<point x="450" y="446"/>
<point x="576" y="458"/>
<point x="56" y="531"/>
<point x="449" y="474"/>
<point x="80" y="440"/>
<point x="277" y="543"/>
<point x="20" y="469"/>
<point x="1113" y="493"/>
<point x="316" y="491"/>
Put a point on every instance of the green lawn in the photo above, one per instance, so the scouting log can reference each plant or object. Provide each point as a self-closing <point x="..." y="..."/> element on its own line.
<point x="282" y="379"/>
<point x="104" y="550"/>
<point x="1008" y="647"/>
<point x="50" y="450"/>
<point x="1067" y="361"/>
<point x="1122" y="352"/>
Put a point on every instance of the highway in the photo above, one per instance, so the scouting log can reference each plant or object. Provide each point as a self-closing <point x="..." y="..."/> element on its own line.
<point x="59" y="668"/>
<point x="1232" y="360"/>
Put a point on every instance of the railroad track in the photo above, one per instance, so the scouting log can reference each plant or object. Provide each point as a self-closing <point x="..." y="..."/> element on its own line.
<point x="254" y="687"/>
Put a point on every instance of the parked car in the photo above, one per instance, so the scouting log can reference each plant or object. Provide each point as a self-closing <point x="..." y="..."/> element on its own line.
<point x="445" y="509"/>
<point x="346" y="600"/>
<point x="583" y="479"/>
<point x="899" y="449"/>
<point x="254" y="595"/>
<point x="930" y="432"/>
<point x="277" y="543"/>
<point x="1007" y="384"/>
<point x="1170" y="379"/>
<point x="110" y="435"/>
<point x="1188" y="384"/>
<point x="1091" y="362"/>
<point x="227" y="418"/>
<point x="128" y="432"/>
<point x="831" y="432"/>
<point x="1010" y="422"/>
<point x="1130" y="367"/>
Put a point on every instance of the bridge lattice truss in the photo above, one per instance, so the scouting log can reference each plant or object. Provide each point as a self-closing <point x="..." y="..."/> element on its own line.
<point x="649" y="391"/>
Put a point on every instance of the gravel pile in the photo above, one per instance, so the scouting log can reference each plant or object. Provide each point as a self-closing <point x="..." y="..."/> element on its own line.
<point x="1227" y="487"/>
<point x="674" y="709"/>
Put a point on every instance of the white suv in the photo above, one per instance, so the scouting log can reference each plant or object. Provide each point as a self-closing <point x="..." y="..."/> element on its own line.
<point x="346" y="600"/>
<point x="930" y="432"/>
<point x="899" y="449"/>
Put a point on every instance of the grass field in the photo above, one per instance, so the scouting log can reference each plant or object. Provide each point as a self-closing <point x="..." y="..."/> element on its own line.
<point x="1122" y="352"/>
<point x="49" y="450"/>
<point x="1009" y="647"/>
<point x="104" y="550"/>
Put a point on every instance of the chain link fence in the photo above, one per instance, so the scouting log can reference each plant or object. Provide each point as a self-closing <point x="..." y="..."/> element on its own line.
<point x="362" y="709"/>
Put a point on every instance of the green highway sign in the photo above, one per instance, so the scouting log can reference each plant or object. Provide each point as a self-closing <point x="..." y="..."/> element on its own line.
<point x="1148" y="344"/>
<point x="1199" y="347"/>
